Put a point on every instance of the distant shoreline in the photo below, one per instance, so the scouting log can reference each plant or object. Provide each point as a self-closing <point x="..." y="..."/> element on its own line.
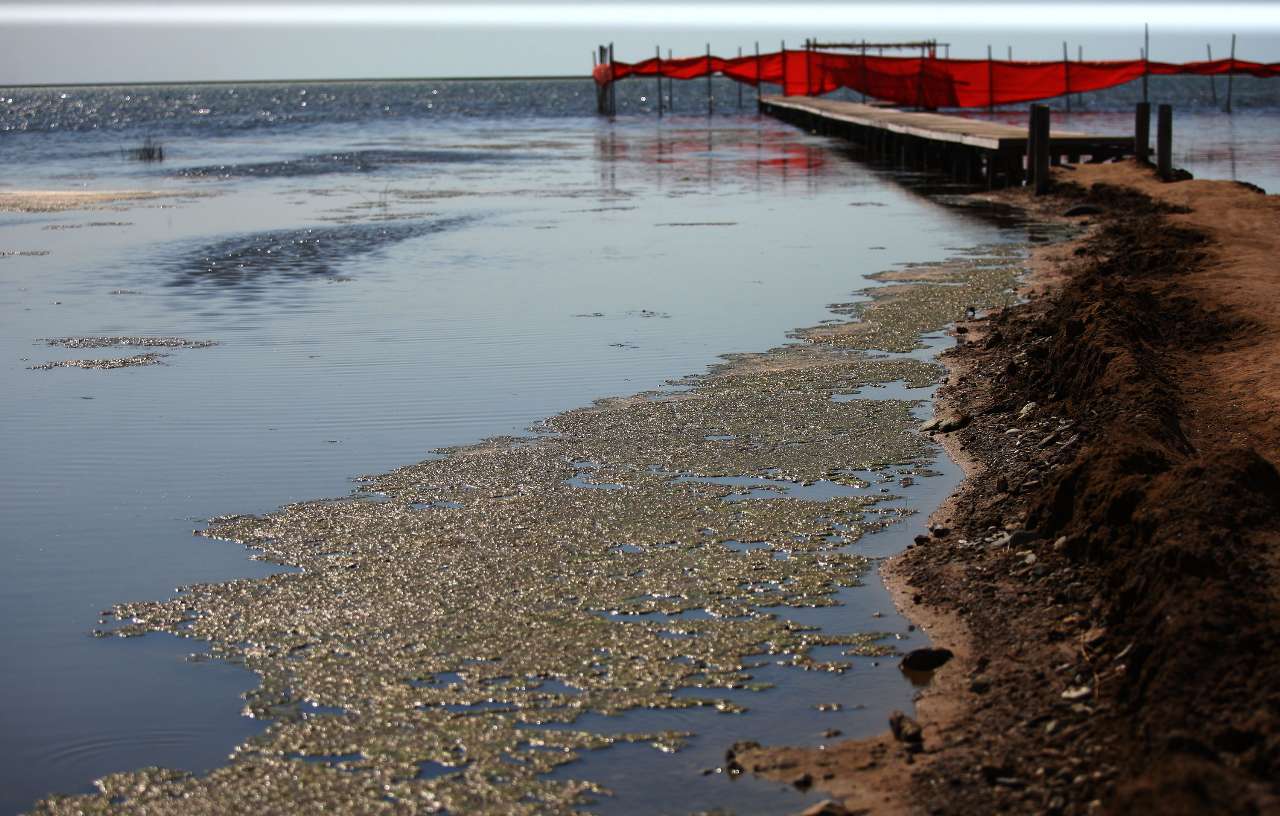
<point x="331" y="81"/>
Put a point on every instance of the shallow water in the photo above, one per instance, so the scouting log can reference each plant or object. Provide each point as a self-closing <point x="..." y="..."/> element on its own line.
<point x="421" y="282"/>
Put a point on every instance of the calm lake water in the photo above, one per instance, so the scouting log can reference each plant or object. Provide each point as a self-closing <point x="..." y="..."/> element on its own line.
<point x="387" y="268"/>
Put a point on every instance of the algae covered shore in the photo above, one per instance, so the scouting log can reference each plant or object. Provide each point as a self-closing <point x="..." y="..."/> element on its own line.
<point x="447" y="625"/>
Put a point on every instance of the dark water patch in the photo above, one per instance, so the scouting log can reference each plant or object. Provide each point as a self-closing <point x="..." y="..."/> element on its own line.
<point x="897" y="390"/>
<point x="429" y="769"/>
<point x="249" y="265"/>
<point x="350" y="161"/>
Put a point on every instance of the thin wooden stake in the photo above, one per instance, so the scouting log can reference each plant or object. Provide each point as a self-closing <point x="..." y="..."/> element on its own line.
<point x="657" y="55"/>
<point x="991" y="82"/>
<point x="808" y="67"/>
<point x="739" y="83"/>
<point x="671" y="89"/>
<point x="710" y="97"/>
<point x="1066" y="74"/>
<point x="757" y="75"/>
<point x="1146" y="58"/>
<point x="1213" y="80"/>
<point x="1231" y="74"/>
<point x="784" y="68"/>
<point x="864" y="71"/>
<point x="1079" y="58"/>
<point x="613" y="91"/>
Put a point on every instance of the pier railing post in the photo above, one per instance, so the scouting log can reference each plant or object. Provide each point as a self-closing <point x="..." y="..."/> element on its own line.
<point x="1164" y="142"/>
<point x="1142" y="132"/>
<point x="1040" y="147"/>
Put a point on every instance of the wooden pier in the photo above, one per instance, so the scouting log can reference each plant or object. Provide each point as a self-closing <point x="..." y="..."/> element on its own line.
<point x="971" y="150"/>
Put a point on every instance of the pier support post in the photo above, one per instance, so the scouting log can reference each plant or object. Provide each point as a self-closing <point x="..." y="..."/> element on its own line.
<point x="1038" y="140"/>
<point x="1164" y="142"/>
<point x="1142" y="132"/>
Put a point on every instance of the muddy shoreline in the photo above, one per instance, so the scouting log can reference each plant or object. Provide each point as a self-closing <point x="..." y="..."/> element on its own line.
<point x="1106" y="573"/>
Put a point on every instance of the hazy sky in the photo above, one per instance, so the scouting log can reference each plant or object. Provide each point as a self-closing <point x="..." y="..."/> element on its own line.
<point x="181" y="40"/>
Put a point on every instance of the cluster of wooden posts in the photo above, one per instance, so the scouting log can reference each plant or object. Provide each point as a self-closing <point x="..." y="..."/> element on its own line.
<point x="1040" y="156"/>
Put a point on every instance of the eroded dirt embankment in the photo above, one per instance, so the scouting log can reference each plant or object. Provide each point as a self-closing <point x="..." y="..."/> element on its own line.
<point x="1107" y="573"/>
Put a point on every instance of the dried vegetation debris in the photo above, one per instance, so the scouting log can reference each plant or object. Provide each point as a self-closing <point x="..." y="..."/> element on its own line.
<point x="105" y="363"/>
<point x="139" y="342"/>
<point x="463" y="611"/>
<point x="110" y="363"/>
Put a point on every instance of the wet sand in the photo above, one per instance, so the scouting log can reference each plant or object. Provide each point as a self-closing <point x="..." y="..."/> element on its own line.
<point x="1106" y="575"/>
<point x="47" y="201"/>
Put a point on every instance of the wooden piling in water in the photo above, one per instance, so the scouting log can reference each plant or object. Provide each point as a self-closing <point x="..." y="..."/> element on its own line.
<point x="1142" y="132"/>
<point x="671" y="89"/>
<point x="1164" y="142"/>
<point x="657" y="54"/>
<point x="739" y="83"/>
<point x="1231" y="74"/>
<point x="1066" y="74"/>
<point x="711" y="100"/>
<point x="1213" y="80"/>
<point x="613" y="86"/>
<point x="991" y="83"/>
<point x="758" y="91"/>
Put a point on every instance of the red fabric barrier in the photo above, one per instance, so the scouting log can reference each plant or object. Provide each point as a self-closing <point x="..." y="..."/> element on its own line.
<point x="925" y="81"/>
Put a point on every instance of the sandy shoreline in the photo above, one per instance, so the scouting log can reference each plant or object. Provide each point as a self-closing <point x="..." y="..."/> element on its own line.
<point x="1106" y="573"/>
<point x="38" y="201"/>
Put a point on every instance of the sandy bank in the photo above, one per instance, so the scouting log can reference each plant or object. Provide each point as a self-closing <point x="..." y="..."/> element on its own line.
<point x="1107" y="572"/>
<point x="60" y="200"/>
